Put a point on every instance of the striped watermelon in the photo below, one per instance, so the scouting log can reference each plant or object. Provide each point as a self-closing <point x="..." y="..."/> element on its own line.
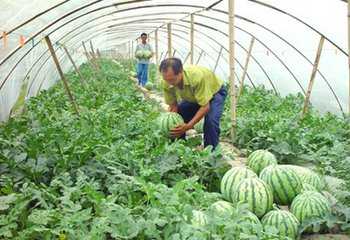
<point x="260" y="159"/>
<point x="284" y="182"/>
<point x="256" y="193"/>
<point x="169" y="120"/>
<point x="199" y="126"/>
<point x="310" y="205"/>
<point x="308" y="176"/>
<point x="285" y="222"/>
<point x="231" y="178"/>
<point x="249" y="223"/>
<point x="222" y="208"/>
<point x="199" y="218"/>
<point x="149" y="86"/>
<point x="308" y="187"/>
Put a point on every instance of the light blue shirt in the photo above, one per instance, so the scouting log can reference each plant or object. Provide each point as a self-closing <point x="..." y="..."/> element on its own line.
<point x="143" y="47"/>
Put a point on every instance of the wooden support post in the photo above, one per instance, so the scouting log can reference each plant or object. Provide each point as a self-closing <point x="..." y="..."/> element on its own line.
<point x="89" y="58"/>
<point x="98" y="53"/>
<point x="60" y="72"/>
<point x="200" y="56"/>
<point x="187" y="56"/>
<point x="246" y="66"/>
<point x="349" y="49"/>
<point x="83" y="81"/>
<point x="192" y="39"/>
<point x="174" y="52"/>
<point x="156" y="55"/>
<point x="313" y="75"/>
<point x="218" y="59"/>
<point x="169" y="40"/>
<point x="161" y="56"/>
<point x="231" y="8"/>
<point x="93" y="54"/>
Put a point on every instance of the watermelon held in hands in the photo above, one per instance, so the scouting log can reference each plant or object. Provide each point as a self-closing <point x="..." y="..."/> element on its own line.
<point x="231" y="179"/>
<point x="256" y="194"/>
<point x="309" y="205"/>
<point x="260" y="159"/>
<point x="168" y="121"/>
<point x="284" y="182"/>
<point x="285" y="222"/>
<point x="139" y="54"/>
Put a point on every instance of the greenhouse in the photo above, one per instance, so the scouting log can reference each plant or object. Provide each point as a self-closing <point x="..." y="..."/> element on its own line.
<point x="174" y="120"/>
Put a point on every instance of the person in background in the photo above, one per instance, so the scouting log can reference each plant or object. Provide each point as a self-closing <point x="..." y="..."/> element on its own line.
<point x="143" y="61"/>
<point x="202" y="93"/>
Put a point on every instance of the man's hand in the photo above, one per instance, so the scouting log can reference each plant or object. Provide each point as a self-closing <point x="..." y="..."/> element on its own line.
<point x="173" y="108"/>
<point x="180" y="130"/>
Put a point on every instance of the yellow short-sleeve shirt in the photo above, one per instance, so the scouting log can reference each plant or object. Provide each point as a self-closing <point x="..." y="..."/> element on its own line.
<point x="200" y="85"/>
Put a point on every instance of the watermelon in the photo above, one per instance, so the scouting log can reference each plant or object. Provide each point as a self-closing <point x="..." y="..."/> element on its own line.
<point x="308" y="187"/>
<point x="256" y="194"/>
<point x="249" y="223"/>
<point x="168" y="121"/>
<point x="147" y="54"/>
<point x="231" y="178"/>
<point x="260" y="159"/>
<point x="285" y="222"/>
<point x="199" y="218"/>
<point x="310" y="205"/>
<point x="199" y="126"/>
<point x="139" y="54"/>
<point x="308" y="176"/>
<point x="149" y="86"/>
<point x="284" y="182"/>
<point x="221" y="208"/>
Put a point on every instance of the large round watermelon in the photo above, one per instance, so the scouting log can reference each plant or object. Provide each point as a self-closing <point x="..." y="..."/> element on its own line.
<point x="231" y="178"/>
<point x="168" y="121"/>
<point x="308" y="187"/>
<point x="139" y="54"/>
<point x="284" y="182"/>
<point x="221" y="208"/>
<point x="249" y="223"/>
<point x="285" y="222"/>
<point x="256" y="194"/>
<point x="147" y="54"/>
<point x="260" y="159"/>
<point x="199" y="218"/>
<point x="308" y="176"/>
<point x="149" y="86"/>
<point x="310" y="205"/>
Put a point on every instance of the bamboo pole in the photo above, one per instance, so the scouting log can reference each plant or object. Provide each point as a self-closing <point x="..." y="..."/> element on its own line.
<point x="313" y="75"/>
<point x="192" y="39"/>
<point x="349" y="48"/>
<point x="82" y="80"/>
<point x="156" y="55"/>
<point x="161" y="56"/>
<point x="246" y="66"/>
<point x="98" y="53"/>
<point x="60" y="72"/>
<point x="200" y="56"/>
<point x="218" y="59"/>
<point x="187" y="56"/>
<point x="89" y="58"/>
<point x="231" y="8"/>
<point x="174" y="52"/>
<point x="169" y="40"/>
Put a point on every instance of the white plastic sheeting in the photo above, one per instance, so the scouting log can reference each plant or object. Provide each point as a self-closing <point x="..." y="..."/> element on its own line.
<point x="286" y="38"/>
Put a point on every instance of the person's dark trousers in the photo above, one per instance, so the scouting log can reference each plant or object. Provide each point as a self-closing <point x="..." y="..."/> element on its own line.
<point x="142" y="73"/>
<point x="212" y="119"/>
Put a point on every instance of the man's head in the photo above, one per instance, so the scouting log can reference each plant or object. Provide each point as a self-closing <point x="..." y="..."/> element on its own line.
<point x="172" y="71"/>
<point x="144" y="37"/>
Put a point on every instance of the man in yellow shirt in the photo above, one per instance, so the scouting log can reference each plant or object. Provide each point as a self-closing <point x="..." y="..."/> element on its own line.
<point x="202" y="95"/>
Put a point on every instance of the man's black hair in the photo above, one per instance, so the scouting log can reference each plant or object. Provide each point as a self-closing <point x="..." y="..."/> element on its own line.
<point x="174" y="63"/>
<point x="144" y="34"/>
